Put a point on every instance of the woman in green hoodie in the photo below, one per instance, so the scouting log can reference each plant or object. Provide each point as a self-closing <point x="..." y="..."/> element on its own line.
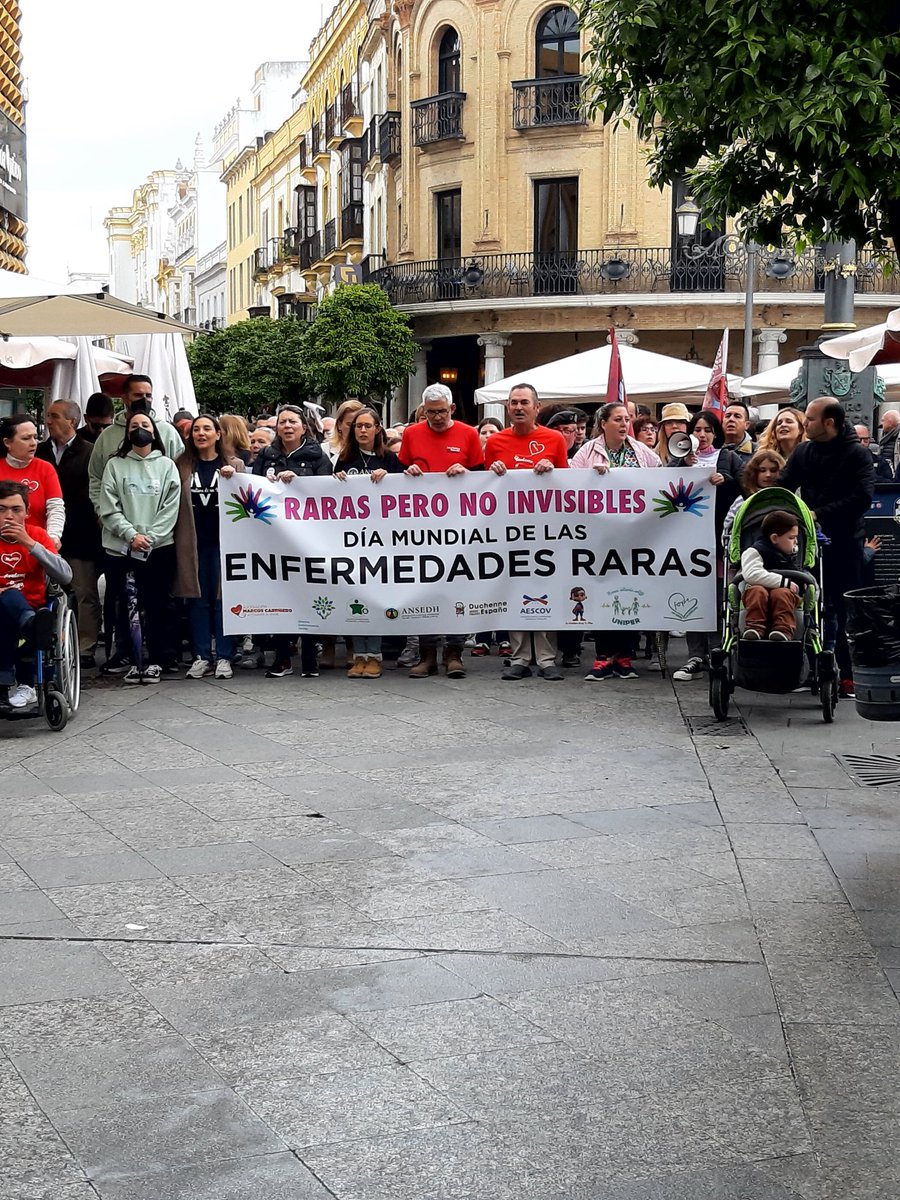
<point x="140" y="495"/>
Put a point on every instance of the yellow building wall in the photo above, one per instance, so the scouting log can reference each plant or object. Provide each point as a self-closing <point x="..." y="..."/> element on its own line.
<point x="241" y="235"/>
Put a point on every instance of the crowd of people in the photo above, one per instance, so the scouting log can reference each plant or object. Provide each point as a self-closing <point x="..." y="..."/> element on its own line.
<point x="133" y="499"/>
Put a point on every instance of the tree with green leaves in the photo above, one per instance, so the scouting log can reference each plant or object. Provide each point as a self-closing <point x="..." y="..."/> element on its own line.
<point x="249" y="366"/>
<point x="783" y="115"/>
<point x="358" y="345"/>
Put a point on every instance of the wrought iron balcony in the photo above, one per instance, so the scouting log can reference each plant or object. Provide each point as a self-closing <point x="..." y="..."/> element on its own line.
<point x="659" y="270"/>
<point x="369" y="265"/>
<point x="305" y="152"/>
<point x="315" y="139"/>
<point x="290" y="243"/>
<point x="438" y="118"/>
<point x="389" y="136"/>
<point x="330" y="237"/>
<point x="349" y="108"/>
<point x="261" y="260"/>
<point x="310" y="251"/>
<point x="352" y="223"/>
<point x="297" y="310"/>
<point x="332" y="131"/>
<point x="541" y="102"/>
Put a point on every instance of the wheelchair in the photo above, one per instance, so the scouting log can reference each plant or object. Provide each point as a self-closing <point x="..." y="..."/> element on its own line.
<point x="57" y="667"/>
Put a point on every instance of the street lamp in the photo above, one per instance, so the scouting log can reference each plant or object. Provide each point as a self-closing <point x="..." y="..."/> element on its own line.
<point x="687" y="219"/>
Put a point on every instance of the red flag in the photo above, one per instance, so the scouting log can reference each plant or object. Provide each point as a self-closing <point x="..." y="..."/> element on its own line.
<point x="615" y="387"/>
<point x="716" y="397"/>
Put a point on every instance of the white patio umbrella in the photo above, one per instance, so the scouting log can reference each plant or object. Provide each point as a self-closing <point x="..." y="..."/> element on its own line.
<point x="32" y="308"/>
<point x="77" y="379"/>
<point x="163" y="358"/>
<point x="877" y="344"/>
<point x="21" y="353"/>
<point x="584" y="377"/>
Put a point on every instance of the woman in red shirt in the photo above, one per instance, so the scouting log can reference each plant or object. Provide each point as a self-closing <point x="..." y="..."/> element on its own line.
<point x="18" y="443"/>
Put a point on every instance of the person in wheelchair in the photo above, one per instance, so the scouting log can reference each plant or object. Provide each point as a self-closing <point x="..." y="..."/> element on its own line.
<point x="28" y="558"/>
<point x="771" y="599"/>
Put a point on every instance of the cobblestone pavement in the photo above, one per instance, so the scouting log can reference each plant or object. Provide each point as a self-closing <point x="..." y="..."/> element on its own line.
<point x="446" y="940"/>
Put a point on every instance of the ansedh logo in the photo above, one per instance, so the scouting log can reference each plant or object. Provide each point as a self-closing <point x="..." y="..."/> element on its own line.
<point x="249" y="503"/>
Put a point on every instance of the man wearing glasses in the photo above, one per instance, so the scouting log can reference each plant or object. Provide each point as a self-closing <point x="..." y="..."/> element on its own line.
<point x="440" y="444"/>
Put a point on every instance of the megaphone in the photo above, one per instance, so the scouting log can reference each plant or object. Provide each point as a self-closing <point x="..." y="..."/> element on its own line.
<point x="681" y="444"/>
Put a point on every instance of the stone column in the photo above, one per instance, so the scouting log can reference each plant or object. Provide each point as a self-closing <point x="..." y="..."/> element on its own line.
<point x="494" y="369"/>
<point x="768" y="341"/>
<point x="625" y="337"/>
<point x="418" y="381"/>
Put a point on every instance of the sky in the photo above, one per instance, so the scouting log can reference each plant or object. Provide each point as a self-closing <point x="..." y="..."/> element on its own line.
<point x="117" y="89"/>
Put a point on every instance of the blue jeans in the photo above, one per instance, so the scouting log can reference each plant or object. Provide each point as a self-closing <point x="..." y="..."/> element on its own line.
<point x="16" y="614"/>
<point x="205" y="611"/>
<point x="368" y="646"/>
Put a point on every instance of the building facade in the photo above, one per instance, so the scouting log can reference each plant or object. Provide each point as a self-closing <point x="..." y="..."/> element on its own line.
<point x="13" y="177"/>
<point x="514" y="229"/>
<point x="141" y="241"/>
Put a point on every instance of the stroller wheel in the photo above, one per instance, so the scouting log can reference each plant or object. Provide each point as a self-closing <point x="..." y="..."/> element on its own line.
<point x="719" y="696"/>
<point x="828" y="696"/>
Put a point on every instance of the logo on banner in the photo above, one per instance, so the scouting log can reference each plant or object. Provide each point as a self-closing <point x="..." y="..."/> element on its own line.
<point x="249" y="503"/>
<point x="682" y="607"/>
<point x="577" y="597"/>
<point x="496" y="608"/>
<point x="681" y="497"/>
<point x="535" y="606"/>
<point x="421" y="612"/>
<point x="357" y="609"/>
<point x="392" y="613"/>
<point x="459" y="608"/>
<point x="626" y="605"/>
<point x="323" y="607"/>
<point x="259" y="610"/>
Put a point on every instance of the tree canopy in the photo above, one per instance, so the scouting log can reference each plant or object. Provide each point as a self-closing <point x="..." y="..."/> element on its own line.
<point x="783" y="115"/>
<point x="357" y="346"/>
<point x="252" y="365"/>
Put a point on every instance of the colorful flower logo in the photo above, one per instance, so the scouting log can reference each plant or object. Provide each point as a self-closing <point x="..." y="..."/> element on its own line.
<point x="681" y="497"/>
<point x="250" y="503"/>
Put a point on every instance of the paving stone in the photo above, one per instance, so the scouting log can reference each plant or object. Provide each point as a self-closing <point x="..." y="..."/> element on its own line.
<point x="17" y="908"/>
<point x="65" y="871"/>
<point x="843" y="991"/>
<point x="131" y="1138"/>
<point x="31" y="973"/>
<point x="146" y="965"/>
<point x="199" y="859"/>
<point x="81" y="1022"/>
<point x="269" y="1177"/>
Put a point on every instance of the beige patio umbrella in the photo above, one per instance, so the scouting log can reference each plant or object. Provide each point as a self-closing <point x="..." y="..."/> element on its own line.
<point x="33" y="307"/>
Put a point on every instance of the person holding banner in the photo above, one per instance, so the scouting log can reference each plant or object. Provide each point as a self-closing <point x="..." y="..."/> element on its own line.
<point x="614" y="649"/>
<point x="365" y="452"/>
<point x="437" y="443"/>
<point x="294" y="452"/>
<point x="527" y="446"/>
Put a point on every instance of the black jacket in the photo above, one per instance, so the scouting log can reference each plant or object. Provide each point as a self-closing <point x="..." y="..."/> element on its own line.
<point x="81" y="536"/>
<point x="731" y="465"/>
<point x="836" y="480"/>
<point x="307" y="459"/>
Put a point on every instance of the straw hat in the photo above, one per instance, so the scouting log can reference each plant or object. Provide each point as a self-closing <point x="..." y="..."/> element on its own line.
<point x="675" y="412"/>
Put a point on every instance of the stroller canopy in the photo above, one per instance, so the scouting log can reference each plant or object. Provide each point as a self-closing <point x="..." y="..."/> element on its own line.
<point x="768" y="500"/>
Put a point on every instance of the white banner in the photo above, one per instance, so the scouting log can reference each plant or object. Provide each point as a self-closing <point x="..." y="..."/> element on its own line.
<point x="634" y="549"/>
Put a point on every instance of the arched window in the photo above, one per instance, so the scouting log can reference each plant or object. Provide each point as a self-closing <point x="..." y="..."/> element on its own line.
<point x="558" y="44"/>
<point x="449" y="72"/>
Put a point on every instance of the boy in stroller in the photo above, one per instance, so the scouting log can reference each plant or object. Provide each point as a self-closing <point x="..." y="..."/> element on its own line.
<point x="771" y="598"/>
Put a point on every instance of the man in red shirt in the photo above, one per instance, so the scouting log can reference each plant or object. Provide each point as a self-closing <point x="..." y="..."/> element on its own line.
<point x="27" y="556"/>
<point x="527" y="446"/>
<point x="440" y="444"/>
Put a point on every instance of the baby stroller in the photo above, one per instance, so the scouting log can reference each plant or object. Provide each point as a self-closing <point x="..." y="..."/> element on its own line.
<point x="775" y="667"/>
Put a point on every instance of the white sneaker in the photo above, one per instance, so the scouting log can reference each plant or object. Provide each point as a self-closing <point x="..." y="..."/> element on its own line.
<point x="199" y="669"/>
<point x="693" y="669"/>
<point x="223" y="669"/>
<point x="22" y="696"/>
<point x="153" y="674"/>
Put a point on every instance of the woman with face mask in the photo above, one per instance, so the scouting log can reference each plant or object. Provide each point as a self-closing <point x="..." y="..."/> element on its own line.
<point x="140" y="494"/>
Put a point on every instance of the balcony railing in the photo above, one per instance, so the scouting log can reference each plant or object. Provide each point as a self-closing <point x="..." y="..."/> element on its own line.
<point x="389" y="136"/>
<point x="541" y="102"/>
<point x="331" y="124"/>
<point x="623" y="272"/>
<point x="260" y="260"/>
<point x="330" y="236"/>
<point x="438" y="118"/>
<point x="305" y="152"/>
<point x="348" y="104"/>
<point x="370" y="140"/>
<point x="315" y="139"/>
<point x="369" y="265"/>
<point x="290" y="243"/>
<point x="352" y="223"/>
<point x="310" y="251"/>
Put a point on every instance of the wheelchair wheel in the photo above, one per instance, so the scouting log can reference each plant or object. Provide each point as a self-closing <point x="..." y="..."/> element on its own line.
<point x="69" y="661"/>
<point x="719" y="696"/>
<point x="56" y="710"/>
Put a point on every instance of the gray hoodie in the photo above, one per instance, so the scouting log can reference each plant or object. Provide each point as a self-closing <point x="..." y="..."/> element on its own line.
<point x="109" y="442"/>
<point x="139" y="495"/>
